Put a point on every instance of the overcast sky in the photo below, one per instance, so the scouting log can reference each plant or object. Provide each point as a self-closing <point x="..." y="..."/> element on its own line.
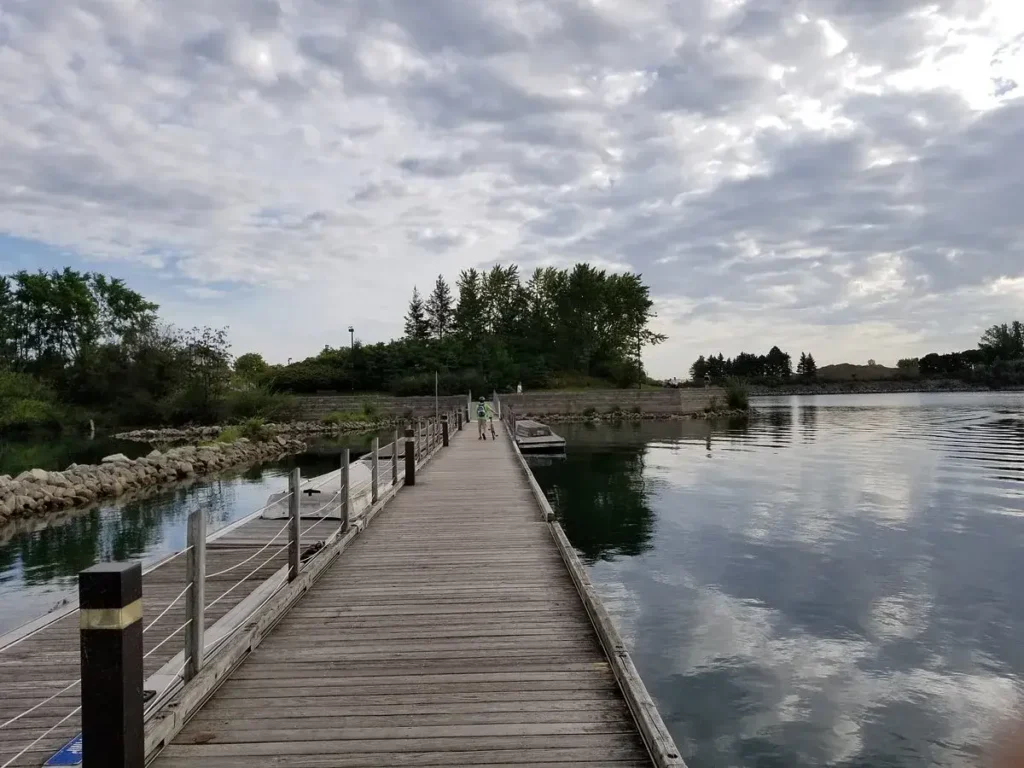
<point x="836" y="176"/>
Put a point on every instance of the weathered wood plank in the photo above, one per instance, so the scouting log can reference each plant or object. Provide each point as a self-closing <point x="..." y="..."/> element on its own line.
<point x="449" y="633"/>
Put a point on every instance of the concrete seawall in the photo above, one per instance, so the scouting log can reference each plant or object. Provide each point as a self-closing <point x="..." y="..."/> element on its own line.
<point x="658" y="402"/>
<point x="662" y="402"/>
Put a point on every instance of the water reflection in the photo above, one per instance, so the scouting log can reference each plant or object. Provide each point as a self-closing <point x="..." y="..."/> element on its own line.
<point x="835" y="582"/>
<point x="40" y="558"/>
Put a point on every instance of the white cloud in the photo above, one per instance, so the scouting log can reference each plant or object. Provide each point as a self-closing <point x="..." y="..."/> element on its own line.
<point x="795" y="166"/>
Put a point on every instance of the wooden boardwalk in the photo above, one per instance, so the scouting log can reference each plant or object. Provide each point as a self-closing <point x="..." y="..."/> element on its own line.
<point x="448" y="633"/>
<point x="46" y="662"/>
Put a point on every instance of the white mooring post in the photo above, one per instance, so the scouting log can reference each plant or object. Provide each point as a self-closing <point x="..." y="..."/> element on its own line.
<point x="375" y="470"/>
<point x="346" y="490"/>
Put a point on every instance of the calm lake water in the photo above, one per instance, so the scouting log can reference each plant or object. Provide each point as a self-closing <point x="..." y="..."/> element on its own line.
<point x="39" y="569"/>
<point x="839" y="581"/>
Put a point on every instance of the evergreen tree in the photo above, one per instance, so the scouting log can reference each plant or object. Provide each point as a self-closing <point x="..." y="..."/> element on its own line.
<point x="416" y="325"/>
<point x="810" y="367"/>
<point x="801" y="367"/>
<point x="439" y="309"/>
<point x="469" y="312"/>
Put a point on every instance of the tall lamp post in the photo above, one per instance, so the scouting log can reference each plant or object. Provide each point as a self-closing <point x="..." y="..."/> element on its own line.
<point x="352" y="347"/>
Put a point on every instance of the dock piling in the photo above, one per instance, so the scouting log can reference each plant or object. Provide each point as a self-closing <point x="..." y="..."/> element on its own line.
<point x="346" y="489"/>
<point x="294" y="552"/>
<point x="410" y="457"/>
<point x="110" y="597"/>
<point x="375" y="470"/>
<point x="195" y="598"/>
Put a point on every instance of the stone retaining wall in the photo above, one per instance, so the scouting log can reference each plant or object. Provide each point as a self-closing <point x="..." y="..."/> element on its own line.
<point x="652" y="402"/>
<point x="316" y="407"/>
<point x="648" y="401"/>
<point x="36" y="491"/>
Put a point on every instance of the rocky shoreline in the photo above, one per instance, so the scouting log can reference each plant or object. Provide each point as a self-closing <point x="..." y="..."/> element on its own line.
<point x="196" y="434"/>
<point x="37" y="491"/>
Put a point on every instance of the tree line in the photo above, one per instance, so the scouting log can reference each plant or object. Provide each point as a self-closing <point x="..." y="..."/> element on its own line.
<point x="997" y="361"/>
<point x="495" y="330"/>
<point x="774" y="367"/>
<point x="80" y="345"/>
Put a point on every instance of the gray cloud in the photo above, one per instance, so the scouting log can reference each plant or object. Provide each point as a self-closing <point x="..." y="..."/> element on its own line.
<point x="789" y="166"/>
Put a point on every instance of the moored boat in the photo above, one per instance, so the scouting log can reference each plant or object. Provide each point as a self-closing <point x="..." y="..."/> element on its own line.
<point x="534" y="437"/>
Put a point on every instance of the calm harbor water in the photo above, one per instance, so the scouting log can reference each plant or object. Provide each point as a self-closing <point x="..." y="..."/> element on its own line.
<point x="39" y="568"/>
<point x="839" y="581"/>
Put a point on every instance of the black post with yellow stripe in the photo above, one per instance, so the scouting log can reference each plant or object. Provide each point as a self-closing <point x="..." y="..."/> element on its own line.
<point x="110" y="601"/>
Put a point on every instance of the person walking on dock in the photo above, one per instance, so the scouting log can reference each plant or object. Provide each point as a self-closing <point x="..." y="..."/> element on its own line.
<point x="483" y="413"/>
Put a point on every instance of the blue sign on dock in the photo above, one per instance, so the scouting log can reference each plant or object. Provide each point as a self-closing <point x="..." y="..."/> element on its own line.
<point x="70" y="753"/>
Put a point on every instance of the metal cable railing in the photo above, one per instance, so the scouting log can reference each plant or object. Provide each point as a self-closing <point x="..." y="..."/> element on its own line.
<point x="427" y="440"/>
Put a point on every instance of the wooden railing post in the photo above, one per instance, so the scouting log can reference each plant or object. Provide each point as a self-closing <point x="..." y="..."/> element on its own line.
<point x="346" y="490"/>
<point x="394" y="459"/>
<point x="410" y="457"/>
<point x="460" y="419"/>
<point x="195" y="598"/>
<point x="419" y="438"/>
<point x="110" y="598"/>
<point x="444" y="431"/>
<point x="375" y="470"/>
<point x="294" y="509"/>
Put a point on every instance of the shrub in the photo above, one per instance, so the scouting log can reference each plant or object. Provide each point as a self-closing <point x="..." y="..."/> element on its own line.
<point x="255" y="430"/>
<point x="737" y="396"/>
<point x="229" y="435"/>
<point x="712" y="405"/>
<point x="261" y="403"/>
<point x="26" y="404"/>
<point x="370" y="410"/>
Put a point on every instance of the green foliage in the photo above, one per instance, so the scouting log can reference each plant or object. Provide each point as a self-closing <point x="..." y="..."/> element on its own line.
<point x="439" y="309"/>
<point x="737" y="396"/>
<point x="712" y="405"/>
<point x="908" y="363"/>
<point x="348" y="417"/>
<point x="261" y="403"/>
<point x="1003" y="342"/>
<point x="806" y="368"/>
<point x="229" y="434"/>
<point x="250" y="368"/>
<point x="579" y="323"/>
<point x="775" y="366"/>
<point x="417" y="327"/>
<point x="26" y="404"/>
<point x="255" y="430"/>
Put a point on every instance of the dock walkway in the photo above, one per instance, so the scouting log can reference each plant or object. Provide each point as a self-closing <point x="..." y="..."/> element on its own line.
<point x="449" y="633"/>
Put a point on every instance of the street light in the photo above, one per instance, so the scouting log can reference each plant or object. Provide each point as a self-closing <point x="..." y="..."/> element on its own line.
<point x="352" y="346"/>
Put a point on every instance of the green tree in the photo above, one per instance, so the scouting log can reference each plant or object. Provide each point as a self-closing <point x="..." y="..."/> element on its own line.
<point x="416" y="325"/>
<point x="810" y="367"/>
<point x="1003" y="342"/>
<point x="250" y="368"/>
<point x="439" y="309"/>
<point x="908" y="363"/>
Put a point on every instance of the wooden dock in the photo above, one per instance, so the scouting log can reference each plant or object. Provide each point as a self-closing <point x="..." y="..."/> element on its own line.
<point x="450" y="633"/>
<point x="451" y="623"/>
<point x="41" y="660"/>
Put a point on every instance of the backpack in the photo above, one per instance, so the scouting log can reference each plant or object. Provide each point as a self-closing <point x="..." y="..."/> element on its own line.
<point x="481" y="411"/>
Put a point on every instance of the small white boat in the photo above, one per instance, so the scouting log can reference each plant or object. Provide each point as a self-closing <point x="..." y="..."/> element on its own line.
<point x="534" y="437"/>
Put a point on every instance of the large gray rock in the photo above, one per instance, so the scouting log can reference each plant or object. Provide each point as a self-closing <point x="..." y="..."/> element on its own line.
<point x="116" y="458"/>
<point x="154" y="454"/>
